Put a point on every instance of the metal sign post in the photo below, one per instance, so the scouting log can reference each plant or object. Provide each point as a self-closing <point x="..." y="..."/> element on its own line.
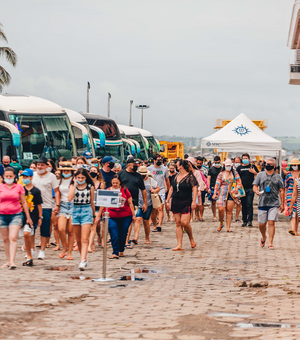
<point x="108" y="199"/>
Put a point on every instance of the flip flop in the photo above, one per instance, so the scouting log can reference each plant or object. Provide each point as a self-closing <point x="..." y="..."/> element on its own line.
<point x="154" y="230"/>
<point x="128" y="246"/>
<point x="194" y="245"/>
<point x="262" y="243"/>
<point x="229" y="231"/>
<point x="291" y="231"/>
<point x="134" y="241"/>
<point x="114" y="257"/>
<point x="69" y="258"/>
<point x="6" y="265"/>
<point x="215" y="220"/>
<point x="177" y="249"/>
<point x="12" y="266"/>
<point x="220" y="227"/>
<point x="271" y="247"/>
<point x="62" y="255"/>
<point x="28" y="263"/>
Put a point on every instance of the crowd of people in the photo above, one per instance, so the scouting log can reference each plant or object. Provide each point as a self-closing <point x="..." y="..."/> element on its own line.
<point x="59" y="200"/>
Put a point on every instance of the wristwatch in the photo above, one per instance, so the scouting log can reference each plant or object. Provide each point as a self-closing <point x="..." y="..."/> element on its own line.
<point x="57" y="205"/>
<point x="40" y="217"/>
<point x="167" y="201"/>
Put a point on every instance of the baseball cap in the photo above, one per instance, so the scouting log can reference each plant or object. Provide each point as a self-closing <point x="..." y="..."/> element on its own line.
<point x="87" y="154"/>
<point x="42" y="159"/>
<point x="132" y="160"/>
<point x="108" y="159"/>
<point x="27" y="172"/>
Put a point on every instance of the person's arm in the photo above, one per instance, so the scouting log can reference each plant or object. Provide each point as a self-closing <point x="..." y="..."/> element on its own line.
<point x="208" y="181"/>
<point x="294" y="197"/>
<point x="71" y="192"/>
<point x="40" y="210"/>
<point x="217" y="186"/>
<point x="57" y="201"/>
<point x="169" y="197"/>
<point x="195" y="194"/>
<point x="92" y="200"/>
<point x="205" y="180"/>
<point x="25" y="208"/>
<point x="167" y="181"/>
<point x="282" y="200"/>
<point x="129" y="200"/>
<point x="144" y="193"/>
<point x="102" y="185"/>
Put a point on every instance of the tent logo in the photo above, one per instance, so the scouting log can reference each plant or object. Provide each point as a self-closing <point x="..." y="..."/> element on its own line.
<point x="241" y="130"/>
<point x="208" y="144"/>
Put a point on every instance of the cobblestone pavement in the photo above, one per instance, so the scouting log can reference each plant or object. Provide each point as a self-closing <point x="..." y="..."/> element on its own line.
<point x="196" y="294"/>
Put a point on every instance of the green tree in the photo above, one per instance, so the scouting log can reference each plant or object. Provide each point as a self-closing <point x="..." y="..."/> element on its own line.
<point x="10" y="56"/>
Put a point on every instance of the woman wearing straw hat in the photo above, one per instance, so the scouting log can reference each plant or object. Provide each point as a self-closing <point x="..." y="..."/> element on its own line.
<point x="66" y="210"/>
<point x="151" y="188"/>
<point x="292" y="174"/>
<point x="227" y="185"/>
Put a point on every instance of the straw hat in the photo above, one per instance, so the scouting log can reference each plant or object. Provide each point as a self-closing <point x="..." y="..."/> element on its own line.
<point x="143" y="171"/>
<point x="295" y="161"/>
<point x="66" y="166"/>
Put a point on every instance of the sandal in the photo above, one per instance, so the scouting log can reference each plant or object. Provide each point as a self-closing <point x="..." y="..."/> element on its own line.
<point x="154" y="230"/>
<point x="6" y="265"/>
<point x="262" y="243"/>
<point x="12" y="266"/>
<point x="56" y="248"/>
<point x="291" y="231"/>
<point x="134" y="241"/>
<point x="114" y="257"/>
<point x="194" y="245"/>
<point x="76" y="248"/>
<point x="271" y="247"/>
<point x="62" y="255"/>
<point x="229" y="231"/>
<point x="215" y="219"/>
<point x="238" y="221"/>
<point x="69" y="258"/>
<point x="53" y="244"/>
<point x="220" y="227"/>
<point x="128" y="246"/>
<point x="177" y="249"/>
<point x="28" y="263"/>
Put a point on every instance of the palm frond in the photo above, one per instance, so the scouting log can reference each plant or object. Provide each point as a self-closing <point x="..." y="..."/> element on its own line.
<point x="10" y="55"/>
<point x="4" y="77"/>
<point x="2" y="34"/>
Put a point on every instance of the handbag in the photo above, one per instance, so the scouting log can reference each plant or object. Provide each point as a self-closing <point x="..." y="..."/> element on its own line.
<point x="155" y="198"/>
<point x="241" y="192"/>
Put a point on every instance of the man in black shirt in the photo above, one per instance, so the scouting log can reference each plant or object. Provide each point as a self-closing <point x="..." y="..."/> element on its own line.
<point x="213" y="173"/>
<point x="134" y="182"/>
<point x="247" y="173"/>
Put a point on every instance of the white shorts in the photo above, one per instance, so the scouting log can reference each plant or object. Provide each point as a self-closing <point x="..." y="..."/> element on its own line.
<point x="162" y="194"/>
<point x="268" y="215"/>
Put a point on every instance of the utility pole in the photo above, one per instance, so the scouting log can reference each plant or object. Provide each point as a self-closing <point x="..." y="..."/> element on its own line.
<point x="108" y="105"/>
<point x="130" y="113"/>
<point x="88" y="97"/>
<point x="142" y="107"/>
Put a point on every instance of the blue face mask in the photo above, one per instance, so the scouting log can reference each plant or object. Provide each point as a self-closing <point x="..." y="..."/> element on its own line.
<point x="66" y="175"/>
<point x="245" y="161"/>
<point x="26" y="181"/>
<point x="80" y="183"/>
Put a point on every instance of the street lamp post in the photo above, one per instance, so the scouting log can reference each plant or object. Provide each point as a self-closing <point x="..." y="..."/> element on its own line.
<point x="130" y="113"/>
<point x="108" y="105"/>
<point x="88" y="97"/>
<point x="142" y="107"/>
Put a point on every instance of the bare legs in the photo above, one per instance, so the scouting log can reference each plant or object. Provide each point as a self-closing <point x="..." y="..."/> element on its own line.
<point x="65" y="227"/>
<point x="183" y="222"/>
<point x="9" y="236"/>
<point x="214" y="209"/>
<point x="82" y="233"/>
<point x="229" y="207"/>
<point x="263" y="229"/>
<point x="237" y="211"/>
<point x="137" y="227"/>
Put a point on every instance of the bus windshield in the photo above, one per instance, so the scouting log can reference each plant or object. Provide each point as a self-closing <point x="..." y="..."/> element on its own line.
<point x="115" y="151"/>
<point x="89" y="146"/>
<point x="108" y="127"/>
<point x="143" y="153"/>
<point x="49" y="136"/>
<point x="152" y="146"/>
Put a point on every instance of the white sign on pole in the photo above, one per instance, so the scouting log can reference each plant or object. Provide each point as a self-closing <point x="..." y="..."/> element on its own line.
<point x="109" y="199"/>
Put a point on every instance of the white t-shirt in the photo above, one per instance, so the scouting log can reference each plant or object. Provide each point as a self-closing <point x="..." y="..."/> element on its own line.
<point x="45" y="183"/>
<point x="64" y="189"/>
<point x="159" y="173"/>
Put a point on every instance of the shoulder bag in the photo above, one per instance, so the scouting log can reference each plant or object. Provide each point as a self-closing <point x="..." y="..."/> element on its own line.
<point x="155" y="198"/>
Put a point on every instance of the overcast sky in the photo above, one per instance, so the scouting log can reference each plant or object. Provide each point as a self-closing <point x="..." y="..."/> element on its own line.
<point x="192" y="61"/>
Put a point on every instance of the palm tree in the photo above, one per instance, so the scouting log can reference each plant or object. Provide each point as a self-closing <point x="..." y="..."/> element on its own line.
<point x="11" y="57"/>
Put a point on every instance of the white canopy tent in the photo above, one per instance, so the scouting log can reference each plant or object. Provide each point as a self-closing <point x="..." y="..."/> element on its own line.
<point x="242" y="135"/>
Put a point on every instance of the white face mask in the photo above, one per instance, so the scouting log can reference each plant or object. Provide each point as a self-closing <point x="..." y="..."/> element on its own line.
<point x="237" y="164"/>
<point x="79" y="166"/>
<point x="41" y="171"/>
<point x="9" y="180"/>
<point x="228" y="167"/>
<point x="89" y="161"/>
<point x="49" y="169"/>
<point x="295" y="167"/>
<point x="217" y="165"/>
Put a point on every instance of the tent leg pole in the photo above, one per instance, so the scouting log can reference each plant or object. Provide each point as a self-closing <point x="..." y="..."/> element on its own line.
<point x="280" y="160"/>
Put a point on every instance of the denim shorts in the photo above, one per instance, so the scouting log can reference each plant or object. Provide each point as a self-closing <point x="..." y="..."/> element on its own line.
<point x="45" y="227"/>
<point x="146" y="215"/>
<point x="13" y="219"/>
<point x="66" y="209"/>
<point x="82" y="214"/>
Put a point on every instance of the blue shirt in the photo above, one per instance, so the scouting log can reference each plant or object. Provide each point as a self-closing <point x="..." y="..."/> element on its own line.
<point x="107" y="176"/>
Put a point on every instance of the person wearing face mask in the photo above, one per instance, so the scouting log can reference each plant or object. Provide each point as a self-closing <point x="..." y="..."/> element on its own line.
<point x="46" y="181"/>
<point x="108" y="163"/>
<point x="172" y="175"/>
<point x="34" y="201"/>
<point x="211" y="181"/>
<point x="247" y="173"/>
<point x="269" y="187"/>
<point x="66" y="210"/>
<point x="4" y="165"/>
<point x="82" y="194"/>
<point x="134" y="182"/>
<point x="99" y="183"/>
<point x="11" y="216"/>
<point x="161" y="175"/>
<point x="88" y="157"/>
<point x="227" y="187"/>
<point x="204" y="173"/>
<point x="291" y="176"/>
<point x="81" y="162"/>
<point x="237" y="162"/>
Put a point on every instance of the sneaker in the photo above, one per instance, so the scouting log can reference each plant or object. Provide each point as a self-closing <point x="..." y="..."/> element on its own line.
<point x="41" y="255"/>
<point x="250" y="224"/>
<point x="158" y="229"/>
<point x="33" y="254"/>
<point x="244" y="224"/>
<point x="83" y="265"/>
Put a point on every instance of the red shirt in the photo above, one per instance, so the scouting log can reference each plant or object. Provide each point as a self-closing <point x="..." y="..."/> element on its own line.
<point x="10" y="199"/>
<point x="124" y="211"/>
